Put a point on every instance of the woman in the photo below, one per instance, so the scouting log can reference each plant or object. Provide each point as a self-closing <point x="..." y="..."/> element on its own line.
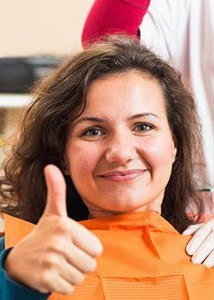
<point x="118" y="125"/>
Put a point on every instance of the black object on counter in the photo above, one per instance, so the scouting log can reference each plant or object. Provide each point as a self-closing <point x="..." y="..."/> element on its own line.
<point x="18" y="74"/>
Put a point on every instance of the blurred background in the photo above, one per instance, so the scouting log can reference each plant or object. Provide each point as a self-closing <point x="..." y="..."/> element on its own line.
<point x="34" y="36"/>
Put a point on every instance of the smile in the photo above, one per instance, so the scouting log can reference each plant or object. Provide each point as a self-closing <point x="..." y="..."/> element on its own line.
<point x="122" y="176"/>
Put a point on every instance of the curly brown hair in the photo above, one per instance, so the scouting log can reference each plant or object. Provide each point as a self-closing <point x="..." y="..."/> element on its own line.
<point x="61" y="98"/>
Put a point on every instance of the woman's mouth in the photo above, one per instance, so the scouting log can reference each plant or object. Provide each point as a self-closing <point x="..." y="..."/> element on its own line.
<point x="124" y="176"/>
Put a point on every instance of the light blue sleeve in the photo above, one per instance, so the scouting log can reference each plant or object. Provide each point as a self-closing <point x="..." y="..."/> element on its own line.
<point x="9" y="289"/>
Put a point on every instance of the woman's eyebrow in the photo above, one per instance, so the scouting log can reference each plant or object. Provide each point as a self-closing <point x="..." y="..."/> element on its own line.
<point x="99" y="120"/>
<point x="149" y="114"/>
<point x="91" y="119"/>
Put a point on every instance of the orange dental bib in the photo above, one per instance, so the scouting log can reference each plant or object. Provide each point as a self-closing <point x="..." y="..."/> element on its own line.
<point x="144" y="258"/>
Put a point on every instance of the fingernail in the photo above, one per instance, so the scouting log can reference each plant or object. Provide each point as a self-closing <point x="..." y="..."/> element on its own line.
<point x="185" y="233"/>
<point x="208" y="265"/>
<point x="196" y="260"/>
<point x="190" y="249"/>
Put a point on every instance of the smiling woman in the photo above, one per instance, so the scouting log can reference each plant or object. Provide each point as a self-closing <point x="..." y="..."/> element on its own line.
<point x="111" y="140"/>
<point x="121" y="176"/>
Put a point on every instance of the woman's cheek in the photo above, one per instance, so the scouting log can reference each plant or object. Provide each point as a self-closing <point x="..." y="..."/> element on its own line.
<point x="81" y="161"/>
<point x="158" y="152"/>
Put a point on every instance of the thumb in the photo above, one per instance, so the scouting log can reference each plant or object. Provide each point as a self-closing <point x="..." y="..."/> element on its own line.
<point x="56" y="191"/>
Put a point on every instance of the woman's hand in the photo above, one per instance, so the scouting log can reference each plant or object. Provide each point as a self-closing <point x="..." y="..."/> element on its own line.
<point x="201" y="246"/>
<point x="58" y="252"/>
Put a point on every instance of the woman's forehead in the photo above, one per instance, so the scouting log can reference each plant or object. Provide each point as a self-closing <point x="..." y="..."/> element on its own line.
<point x="127" y="93"/>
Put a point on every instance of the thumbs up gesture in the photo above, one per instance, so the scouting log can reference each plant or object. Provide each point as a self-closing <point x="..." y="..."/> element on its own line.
<point x="58" y="252"/>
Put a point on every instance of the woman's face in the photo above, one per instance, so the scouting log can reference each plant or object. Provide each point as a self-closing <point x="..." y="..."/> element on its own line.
<point x="120" y="151"/>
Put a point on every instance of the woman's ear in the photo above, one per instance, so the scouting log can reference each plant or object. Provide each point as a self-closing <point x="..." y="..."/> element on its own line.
<point x="64" y="167"/>
<point x="66" y="171"/>
<point x="174" y="153"/>
<point x="175" y="147"/>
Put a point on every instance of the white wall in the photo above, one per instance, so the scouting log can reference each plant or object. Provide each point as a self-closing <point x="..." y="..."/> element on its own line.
<point x="41" y="26"/>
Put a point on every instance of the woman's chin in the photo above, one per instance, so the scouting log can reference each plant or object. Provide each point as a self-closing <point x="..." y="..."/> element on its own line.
<point x="120" y="206"/>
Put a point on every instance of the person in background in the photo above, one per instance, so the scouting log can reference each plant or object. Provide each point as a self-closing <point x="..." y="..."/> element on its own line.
<point x="182" y="33"/>
<point x="117" y="135"/>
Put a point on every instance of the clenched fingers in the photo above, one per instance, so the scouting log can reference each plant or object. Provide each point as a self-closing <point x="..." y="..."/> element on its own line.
<point x="53" y="282"/>
<point x="80" y="259"/>
<point x="71" y="274"/>
<point x="86" y="240"/>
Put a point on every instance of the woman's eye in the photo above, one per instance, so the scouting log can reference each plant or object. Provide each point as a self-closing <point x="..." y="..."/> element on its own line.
<point x="143" y="127"/>
<point x="92" y="132"/>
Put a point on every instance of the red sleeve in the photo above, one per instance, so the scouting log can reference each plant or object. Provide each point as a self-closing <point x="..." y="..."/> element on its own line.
<point x="113" y="16"/>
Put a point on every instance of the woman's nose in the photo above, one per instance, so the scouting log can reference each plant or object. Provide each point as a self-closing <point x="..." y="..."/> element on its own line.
<point x="120" y="151"/>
